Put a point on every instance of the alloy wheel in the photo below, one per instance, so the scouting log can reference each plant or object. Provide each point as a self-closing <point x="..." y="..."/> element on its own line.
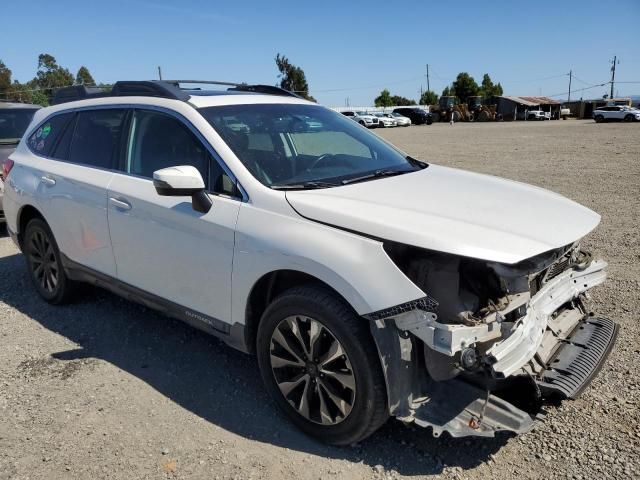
<point x="44" y="266"/>
<point x="312" y="370"/>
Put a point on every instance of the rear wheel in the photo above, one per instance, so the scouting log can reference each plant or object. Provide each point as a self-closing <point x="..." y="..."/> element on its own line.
<point x="44" y="263"/>
<point x="320" y="366"/>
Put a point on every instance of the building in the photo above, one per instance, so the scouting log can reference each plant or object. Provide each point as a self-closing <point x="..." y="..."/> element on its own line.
<point x="516" y="108"/>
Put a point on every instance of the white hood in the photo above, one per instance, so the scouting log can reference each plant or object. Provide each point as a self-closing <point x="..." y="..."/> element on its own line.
<point x="452" y="211"/>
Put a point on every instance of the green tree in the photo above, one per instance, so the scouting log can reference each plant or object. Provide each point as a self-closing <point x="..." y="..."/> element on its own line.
<point x="292" y="78"/>
<point x="50" y="75"/>
<point x="83" y="77"/>
<point x="384" y="99"/>
<point x="488" y="89"/>
<point x="447" y="92"/>
<point x="429" y="98"/>
<point x="401" y="101"/>
<point x="465" y="86"/>
<point x="39" y="98"/>
<point x="5" y="79"/>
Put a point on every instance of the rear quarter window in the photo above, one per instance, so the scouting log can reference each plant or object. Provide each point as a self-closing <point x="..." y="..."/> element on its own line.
<point x="43" y="140"/>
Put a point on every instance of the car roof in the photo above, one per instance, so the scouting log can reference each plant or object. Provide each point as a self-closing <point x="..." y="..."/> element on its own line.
<point x="12" y="105"/>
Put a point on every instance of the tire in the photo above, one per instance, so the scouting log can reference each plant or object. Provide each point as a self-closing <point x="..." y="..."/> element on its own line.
<point x="361" y="392"/>
<point x="44" y="263"/>
<point x="361" y="122"/>
<point x="599" y="118"/>
<point x="429" y="121"/>
<point x="628" y="118"/>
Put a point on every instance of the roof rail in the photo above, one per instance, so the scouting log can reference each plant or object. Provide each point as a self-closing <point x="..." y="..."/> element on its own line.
<point x="77" y="92"/>
<point x="241" y="87"/>
<point x="157" y="88"/>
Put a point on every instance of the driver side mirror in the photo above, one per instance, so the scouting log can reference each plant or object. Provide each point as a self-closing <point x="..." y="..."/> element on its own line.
<point x="183" y="181"/>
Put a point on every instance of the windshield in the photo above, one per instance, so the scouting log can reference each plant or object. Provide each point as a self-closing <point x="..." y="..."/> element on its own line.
<point x="13" y="123"/>
<point x="292" y="144"/>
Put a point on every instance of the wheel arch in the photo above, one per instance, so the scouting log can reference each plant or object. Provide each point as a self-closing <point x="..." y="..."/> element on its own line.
<point x="25" y="215"/>
<point x="268" y="287"/>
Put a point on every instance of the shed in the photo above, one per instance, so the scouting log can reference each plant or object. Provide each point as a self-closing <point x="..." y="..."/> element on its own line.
<point x="516" y="108"/>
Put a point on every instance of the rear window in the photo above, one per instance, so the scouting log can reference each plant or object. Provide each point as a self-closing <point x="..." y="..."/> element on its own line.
<point x="44" y="139"/>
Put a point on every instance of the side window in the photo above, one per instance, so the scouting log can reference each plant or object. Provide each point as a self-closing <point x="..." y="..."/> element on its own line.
<point x="44" y="138"/>
<point x="159" y="140"/>
<point x="61" y="150"/>
<point x="96" y="138"/>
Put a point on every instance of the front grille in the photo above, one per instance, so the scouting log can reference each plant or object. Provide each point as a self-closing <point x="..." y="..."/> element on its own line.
<point x="557" y="268"/>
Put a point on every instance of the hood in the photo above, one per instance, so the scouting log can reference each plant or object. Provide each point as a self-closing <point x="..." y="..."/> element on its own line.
<point x="452" y="211"/>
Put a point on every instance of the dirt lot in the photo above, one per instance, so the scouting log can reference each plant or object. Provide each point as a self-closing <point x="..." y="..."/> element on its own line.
<point x="107" y="389"/>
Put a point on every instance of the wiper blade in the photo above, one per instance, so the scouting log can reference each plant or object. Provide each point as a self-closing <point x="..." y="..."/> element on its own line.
<point x="376" y="174"/>
<point x="305" y="185"/>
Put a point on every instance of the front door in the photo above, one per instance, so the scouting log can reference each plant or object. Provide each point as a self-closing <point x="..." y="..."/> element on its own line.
<point x="161" y="245"/>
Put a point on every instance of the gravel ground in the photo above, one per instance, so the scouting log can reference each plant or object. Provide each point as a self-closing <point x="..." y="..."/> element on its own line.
<point x="107" y="389"/>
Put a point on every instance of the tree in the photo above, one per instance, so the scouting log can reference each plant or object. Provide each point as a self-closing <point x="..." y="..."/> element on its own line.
<point x="429" y="98"/>
<point x="464" y="87"/>
<point x="292" y="78"/>
<point x="384" y="99"/>
<point x="401" y="101"/>
<point x="50" y="75"/>
<point x="447" y="92"/>
<point x="83" y="77"/>
<point x="5" y="79"/>
<point x="488" y="89"/>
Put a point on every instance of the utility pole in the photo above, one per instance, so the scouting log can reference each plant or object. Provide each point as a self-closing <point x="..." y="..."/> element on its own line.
<point x="159" y="73"/>
<point x="569" y="97"/>
<point x="613" y="75"/>
<point x="428" y="86"/>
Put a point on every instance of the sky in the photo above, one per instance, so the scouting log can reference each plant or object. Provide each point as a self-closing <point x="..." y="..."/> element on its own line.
<point x="349" y="50"/>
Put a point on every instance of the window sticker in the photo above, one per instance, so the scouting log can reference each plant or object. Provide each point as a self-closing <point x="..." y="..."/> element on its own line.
<point x="40" y="145"/>
<point x="39" y="133"/>
<point x="46" y="130"/>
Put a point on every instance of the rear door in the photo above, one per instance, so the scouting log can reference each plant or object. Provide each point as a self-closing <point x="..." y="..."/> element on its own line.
<point x="161" y="245"/>
<point x="74" y="180"/>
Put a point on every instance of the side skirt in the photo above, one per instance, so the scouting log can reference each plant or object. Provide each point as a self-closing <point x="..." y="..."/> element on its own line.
<point x="234" y="335"/>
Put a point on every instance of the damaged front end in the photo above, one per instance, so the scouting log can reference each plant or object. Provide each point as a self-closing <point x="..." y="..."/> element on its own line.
<point x="490" y="342"/>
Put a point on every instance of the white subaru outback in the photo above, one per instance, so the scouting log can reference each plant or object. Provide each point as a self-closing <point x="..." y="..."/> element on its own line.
<point x="368" y="283"/>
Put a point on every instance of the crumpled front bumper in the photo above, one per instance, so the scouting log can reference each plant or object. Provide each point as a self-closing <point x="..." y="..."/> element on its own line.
<point x="511" y="354"/>
<point x="461" y="408"/>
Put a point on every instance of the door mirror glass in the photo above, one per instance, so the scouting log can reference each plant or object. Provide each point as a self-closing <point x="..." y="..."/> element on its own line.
<point x="183" y="180"/>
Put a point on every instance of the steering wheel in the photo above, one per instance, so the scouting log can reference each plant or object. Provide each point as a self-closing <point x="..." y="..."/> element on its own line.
<point x="319" y="160"/>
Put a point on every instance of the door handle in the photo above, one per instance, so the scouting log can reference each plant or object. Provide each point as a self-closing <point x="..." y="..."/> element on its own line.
<point x="119" y="203"/>
<point x="47" y="180"/>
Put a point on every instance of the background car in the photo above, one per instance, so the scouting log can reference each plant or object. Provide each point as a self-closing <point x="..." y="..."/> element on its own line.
<point x="417" y="115"/>
<point x="401" y="120"/>
<point x="538" y="115"/>
<point x="14" y="120"/>
<point x="363" y="118"/>
<point x="386" y="120"/>
<point x="616" y="113"/>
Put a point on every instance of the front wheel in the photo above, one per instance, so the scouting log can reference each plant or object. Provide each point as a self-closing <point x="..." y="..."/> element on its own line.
<point x="628" y="118"/>
<point x="44" y="264"/>
<point x="599" y="118"/>
<point x="321" y="367"/>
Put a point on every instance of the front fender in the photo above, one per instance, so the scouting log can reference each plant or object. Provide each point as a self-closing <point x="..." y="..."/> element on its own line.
<point x="356" y="267"/>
